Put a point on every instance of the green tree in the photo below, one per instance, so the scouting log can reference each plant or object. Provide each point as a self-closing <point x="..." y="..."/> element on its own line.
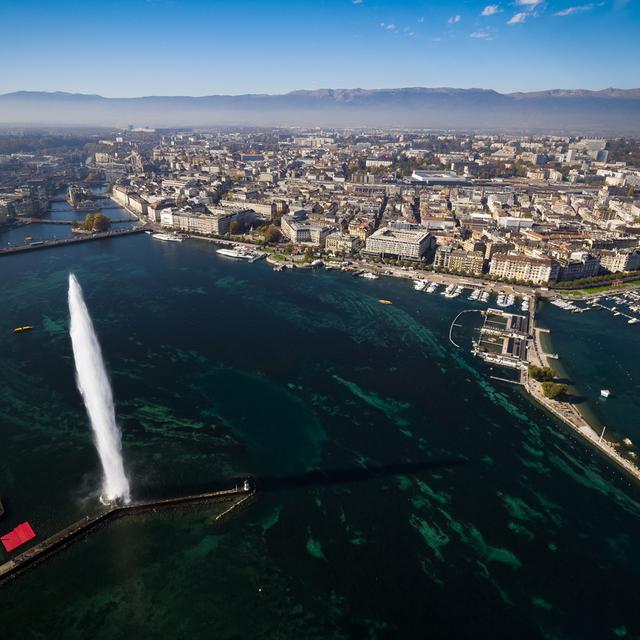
<point x="553" y="390"/>
<point x="541" y="374"/>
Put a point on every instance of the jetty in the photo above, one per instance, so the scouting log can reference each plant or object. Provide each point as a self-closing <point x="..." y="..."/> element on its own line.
<point x="46" y="244"/>
<point x="238" y="496"/>
<point x="566" y="411"/>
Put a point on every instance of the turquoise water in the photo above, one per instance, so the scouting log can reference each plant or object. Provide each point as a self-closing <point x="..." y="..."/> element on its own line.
<point x="513" y="529"/>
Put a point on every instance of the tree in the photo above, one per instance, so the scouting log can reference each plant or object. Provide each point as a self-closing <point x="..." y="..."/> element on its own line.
<point x="553" y="390"/>
<point x="234" y="227"/>
<point x="541" y="374"/>
<point x="95" y="222"/>
<point x="271" y="233"/>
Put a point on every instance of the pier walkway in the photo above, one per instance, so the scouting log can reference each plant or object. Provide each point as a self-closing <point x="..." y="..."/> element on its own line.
<point x="46" y="244"/>
<point x="239" y="495"/>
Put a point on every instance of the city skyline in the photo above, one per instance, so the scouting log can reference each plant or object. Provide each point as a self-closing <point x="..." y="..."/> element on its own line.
<point x="191" y="48"/>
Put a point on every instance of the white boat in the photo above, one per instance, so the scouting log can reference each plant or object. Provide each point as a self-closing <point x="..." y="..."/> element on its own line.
<point x="484" y="296"/>
<point x="502" y="300"/>
<point x="475" y="294"/>
<point x="633" y="321"/>
<point x="448" y="292"/>
<point x="167" y="237"/>
<point x="238" y="252"/>
<point x="605" y="393"/>
<point x="432" y="287"/>
<point x="510" y="300"/>
<point x="370" y="276"/>
<point x="420" y="285"/>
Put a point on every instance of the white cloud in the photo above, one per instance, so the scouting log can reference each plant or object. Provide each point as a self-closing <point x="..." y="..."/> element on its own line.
<point x="454" y="19"/>
<point x="391" y="27"/>
<point x="491" y="10"/>
<point x="518" y="18"/>
<point x="357" y="1"/>
<point x="529" y="3"/>
<point x="571" y="10"/>
<point x="481" y="35"/>
<point x="421" y="19"/>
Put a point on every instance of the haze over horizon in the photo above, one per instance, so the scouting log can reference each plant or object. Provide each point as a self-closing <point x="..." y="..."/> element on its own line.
<point x="196" y="48"/>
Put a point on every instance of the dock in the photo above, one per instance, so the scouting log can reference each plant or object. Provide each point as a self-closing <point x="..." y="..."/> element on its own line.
<point x="239" y="496"/>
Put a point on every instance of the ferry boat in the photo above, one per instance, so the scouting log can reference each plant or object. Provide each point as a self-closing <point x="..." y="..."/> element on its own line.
<point x="22" y="329"/>
<point x="370" y="276"/>
<point x="167" y="237"/>
<point x="605" y="393"/>
<point x="240" y="253"/>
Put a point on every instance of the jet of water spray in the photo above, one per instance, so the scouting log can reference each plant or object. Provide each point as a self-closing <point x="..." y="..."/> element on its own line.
<point x="95" y="389"/>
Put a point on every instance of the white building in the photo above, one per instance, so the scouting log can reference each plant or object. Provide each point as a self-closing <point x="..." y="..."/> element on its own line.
<point x="407" y="244"/>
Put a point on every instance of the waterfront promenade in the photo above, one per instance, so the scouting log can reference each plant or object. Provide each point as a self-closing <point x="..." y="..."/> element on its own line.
<point x="566" y="411"/>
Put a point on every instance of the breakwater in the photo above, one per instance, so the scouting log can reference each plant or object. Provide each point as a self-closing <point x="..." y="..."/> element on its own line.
<point x="239" y="496"/>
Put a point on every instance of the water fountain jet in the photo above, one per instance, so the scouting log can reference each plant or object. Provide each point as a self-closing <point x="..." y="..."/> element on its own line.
<point x="95" y="388"/>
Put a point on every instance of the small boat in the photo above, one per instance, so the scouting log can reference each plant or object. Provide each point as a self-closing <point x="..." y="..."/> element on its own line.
<point x="148" y="232"/>
<point x="28" y="238"/>
<point x="448" y="292"/>
<point x="385" y="301"/>
<point x="484" y="297"/>
<point x="22" y="329"/>
<point x="605" y="393"/>
<point x="633" y="321"/>
<point x="419" y="285"/>
<point x="432" y="287"/>
<point x="370" y="276"/>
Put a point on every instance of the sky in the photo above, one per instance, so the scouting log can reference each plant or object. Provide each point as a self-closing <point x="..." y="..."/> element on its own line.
<point x="202" y="47"/>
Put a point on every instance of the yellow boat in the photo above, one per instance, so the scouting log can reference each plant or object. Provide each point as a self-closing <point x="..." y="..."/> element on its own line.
<point x="28" y="238"/>
<point x="21" y="329"/>
<point x="385" y="302"/>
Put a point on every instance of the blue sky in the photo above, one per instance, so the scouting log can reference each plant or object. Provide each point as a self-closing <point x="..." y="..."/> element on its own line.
<point x="197" y="47"/>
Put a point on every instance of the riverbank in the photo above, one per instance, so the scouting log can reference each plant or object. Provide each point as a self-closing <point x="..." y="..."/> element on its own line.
<point x="568" y="413"/>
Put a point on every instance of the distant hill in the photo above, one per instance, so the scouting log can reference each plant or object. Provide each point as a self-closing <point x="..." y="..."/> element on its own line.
<point x="610" y="111"/>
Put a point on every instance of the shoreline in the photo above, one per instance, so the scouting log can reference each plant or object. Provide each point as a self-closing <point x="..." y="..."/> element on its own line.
<point x="568" y="413"/>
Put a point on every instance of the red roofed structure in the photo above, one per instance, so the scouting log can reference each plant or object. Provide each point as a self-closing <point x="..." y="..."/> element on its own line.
<point x="16" y="538"/>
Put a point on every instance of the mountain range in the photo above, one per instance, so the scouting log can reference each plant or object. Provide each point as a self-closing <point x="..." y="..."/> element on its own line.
<point x="610" y="111"/>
